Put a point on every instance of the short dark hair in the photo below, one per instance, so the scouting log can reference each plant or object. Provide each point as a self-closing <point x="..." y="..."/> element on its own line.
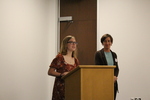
<point x="106" y="36"/>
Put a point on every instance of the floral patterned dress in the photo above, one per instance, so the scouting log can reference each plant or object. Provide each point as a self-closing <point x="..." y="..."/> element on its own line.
<point x="61" y="66"/>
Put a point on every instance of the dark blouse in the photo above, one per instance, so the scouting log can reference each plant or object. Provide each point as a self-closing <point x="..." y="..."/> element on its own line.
<point x="100" y="59"/>
<point x="61" y="66"/>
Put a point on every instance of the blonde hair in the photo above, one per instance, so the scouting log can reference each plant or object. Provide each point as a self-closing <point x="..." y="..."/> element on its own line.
<point x="63" y="48"/>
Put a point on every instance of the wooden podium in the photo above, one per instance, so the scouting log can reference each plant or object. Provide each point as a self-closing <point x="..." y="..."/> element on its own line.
<point x="90" y="82"/>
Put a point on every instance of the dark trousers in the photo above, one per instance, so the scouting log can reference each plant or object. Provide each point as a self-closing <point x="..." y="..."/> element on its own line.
<point x="115" y="90"/>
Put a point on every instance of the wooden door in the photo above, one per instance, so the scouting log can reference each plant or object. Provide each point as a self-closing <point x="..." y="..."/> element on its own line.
<point x="83" y="27"/>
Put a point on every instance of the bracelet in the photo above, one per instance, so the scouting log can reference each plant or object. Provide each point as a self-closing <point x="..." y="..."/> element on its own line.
<point x="60" y="75"/>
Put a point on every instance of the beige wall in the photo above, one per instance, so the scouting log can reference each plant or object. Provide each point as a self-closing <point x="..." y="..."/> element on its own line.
<point x="28" y="30"/>
<point x="128" y="21"/>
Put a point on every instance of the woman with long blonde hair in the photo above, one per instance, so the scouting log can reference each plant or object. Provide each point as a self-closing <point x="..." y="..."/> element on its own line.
<point x="62" y="64"/>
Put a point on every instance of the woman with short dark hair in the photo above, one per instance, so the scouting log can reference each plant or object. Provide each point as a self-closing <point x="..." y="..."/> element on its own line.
<point x="106" y="56"/>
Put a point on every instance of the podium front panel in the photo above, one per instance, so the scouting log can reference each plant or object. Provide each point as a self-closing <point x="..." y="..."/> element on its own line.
<point x="90" y="82"/>
<point x="97" y="84"/>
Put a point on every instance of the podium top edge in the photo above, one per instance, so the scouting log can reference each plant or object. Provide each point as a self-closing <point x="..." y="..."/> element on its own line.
<point x="88" y="67"/>
<point x="96" y="66"/>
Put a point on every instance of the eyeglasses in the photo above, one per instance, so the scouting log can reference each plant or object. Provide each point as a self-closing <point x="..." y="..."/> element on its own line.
<point x="71" y="42"/>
